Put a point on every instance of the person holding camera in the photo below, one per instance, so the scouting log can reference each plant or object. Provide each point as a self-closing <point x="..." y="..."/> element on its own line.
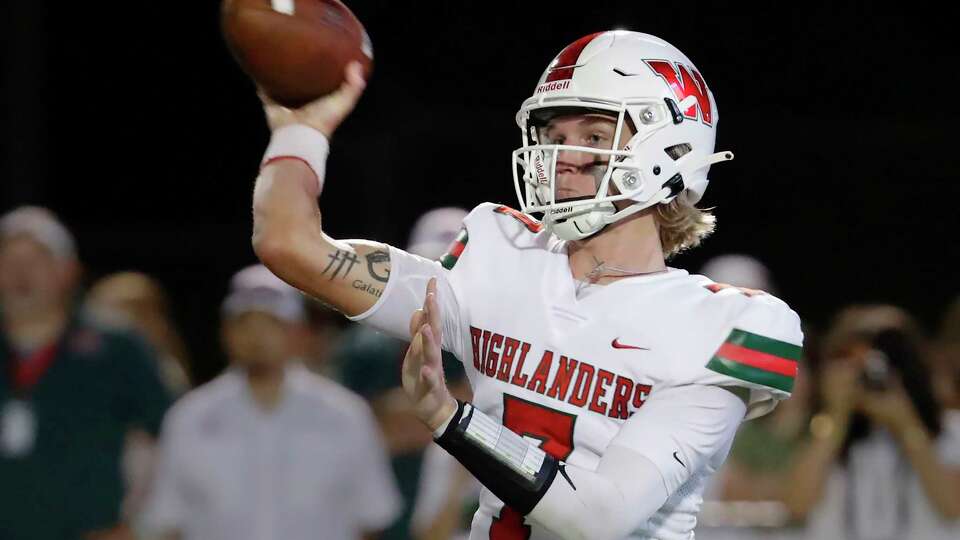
<point x="879" y="464"/>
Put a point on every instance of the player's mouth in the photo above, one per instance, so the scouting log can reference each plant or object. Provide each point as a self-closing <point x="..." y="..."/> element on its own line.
<point x="569" y="195"/>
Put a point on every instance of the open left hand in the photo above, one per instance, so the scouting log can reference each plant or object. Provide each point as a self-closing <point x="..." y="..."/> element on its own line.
<point x="422" y="374"/>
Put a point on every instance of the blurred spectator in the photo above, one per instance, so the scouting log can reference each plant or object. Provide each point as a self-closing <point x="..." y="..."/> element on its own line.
<point x="447" y="497"/>
<point x="946" y="366"/>
<point x="139" y="300"/>
<point x="325" y="327"/>
<point x="369" y="363"/>
<point x="879" y="462"/>
<point x="70" y="390"/>
<point x="269" y="450"/>
<point x="739" y="271"/>
<point x="434" y="232"/>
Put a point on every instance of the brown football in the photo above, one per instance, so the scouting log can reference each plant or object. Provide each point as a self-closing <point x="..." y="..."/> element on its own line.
<point x="296" y="50"/>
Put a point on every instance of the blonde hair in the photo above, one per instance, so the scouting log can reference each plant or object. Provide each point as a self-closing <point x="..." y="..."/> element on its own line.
<point x="682" y="225"/>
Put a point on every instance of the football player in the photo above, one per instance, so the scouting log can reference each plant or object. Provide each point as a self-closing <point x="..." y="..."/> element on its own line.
<point x="607" y="385"/>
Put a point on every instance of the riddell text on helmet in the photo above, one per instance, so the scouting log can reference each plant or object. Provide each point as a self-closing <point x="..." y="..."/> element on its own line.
<point x="541" y="174"/>
<point x="553" y="85"/>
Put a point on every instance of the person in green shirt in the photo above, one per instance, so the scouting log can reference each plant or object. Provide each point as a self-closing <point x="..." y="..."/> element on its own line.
<point x="70" y="390"/>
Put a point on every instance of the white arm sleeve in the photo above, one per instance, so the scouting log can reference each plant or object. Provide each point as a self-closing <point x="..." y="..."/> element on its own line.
<point x="404" y="294"/>
<point x="674" y="434"/>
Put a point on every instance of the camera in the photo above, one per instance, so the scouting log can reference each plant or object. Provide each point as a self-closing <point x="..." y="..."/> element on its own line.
<point x="876" y="374"/>
<point x="889" y="349"/>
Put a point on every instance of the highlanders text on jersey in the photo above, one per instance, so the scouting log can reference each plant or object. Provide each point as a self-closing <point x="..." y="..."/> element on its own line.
<point x="570" y="371"/>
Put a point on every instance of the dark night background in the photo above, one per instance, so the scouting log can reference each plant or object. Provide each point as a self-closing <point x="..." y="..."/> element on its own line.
<point x="133" y="123"/>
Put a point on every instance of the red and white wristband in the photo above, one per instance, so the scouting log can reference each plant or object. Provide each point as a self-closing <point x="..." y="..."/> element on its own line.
<point x="299" y="141"/>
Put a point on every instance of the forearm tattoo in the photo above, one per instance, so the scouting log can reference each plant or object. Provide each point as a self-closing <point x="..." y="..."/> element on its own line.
<point x="378" y="267"/>
<point x="378" y="264"/>
<point x="372" y="290"/>
<point x="338" y="260"/>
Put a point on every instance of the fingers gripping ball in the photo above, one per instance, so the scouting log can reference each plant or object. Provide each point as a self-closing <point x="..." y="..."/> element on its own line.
<point x="295" y="50"/>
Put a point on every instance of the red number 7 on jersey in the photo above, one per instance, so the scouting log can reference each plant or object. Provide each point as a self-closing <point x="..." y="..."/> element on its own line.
<point x="555" y="431"/>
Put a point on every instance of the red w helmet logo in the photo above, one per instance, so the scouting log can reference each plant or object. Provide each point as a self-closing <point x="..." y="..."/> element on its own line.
<point x="685" y="81"/>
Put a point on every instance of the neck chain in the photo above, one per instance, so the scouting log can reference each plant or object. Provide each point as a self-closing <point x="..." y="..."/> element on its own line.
<point x="602" y="270"/>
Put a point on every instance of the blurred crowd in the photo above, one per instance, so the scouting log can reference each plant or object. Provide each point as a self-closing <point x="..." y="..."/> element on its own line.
<point x="307" y="433"/>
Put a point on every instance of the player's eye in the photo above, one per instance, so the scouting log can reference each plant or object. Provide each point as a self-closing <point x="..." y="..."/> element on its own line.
<point x="598" y="139"/>
<point x="554" y="139"/>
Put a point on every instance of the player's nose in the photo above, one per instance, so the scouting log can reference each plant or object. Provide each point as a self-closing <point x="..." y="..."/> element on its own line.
<point x="564" y="167"/>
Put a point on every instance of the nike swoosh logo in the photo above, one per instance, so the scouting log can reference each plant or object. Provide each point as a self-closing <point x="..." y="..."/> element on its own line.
<point x="678" y="460"/>
<point x="617" y="345"/>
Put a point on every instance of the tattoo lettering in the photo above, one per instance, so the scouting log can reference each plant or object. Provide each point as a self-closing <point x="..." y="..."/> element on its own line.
<point x="367" y="288"/>
<point x="342" y="257"/>
<point x="380" y="257"/>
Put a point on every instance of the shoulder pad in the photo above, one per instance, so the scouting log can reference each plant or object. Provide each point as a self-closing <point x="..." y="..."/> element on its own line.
<point x="763" y="347"/>
<point x="485" y="225"/>
<point x="531" y="224"/>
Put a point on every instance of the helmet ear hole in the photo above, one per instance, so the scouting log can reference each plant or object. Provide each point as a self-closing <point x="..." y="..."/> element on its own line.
<point x="675" y="185"/>
<point x="677" y="151"/>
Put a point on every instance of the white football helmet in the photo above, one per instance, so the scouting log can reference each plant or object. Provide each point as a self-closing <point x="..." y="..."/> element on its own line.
<point x="635" y="78"/>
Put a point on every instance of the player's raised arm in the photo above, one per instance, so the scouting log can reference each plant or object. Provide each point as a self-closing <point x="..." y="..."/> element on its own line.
<point x="287" y="233"/>
<point x="351" y="276"/>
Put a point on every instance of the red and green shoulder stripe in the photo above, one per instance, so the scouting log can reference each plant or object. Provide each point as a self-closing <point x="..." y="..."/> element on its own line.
<point x="531" y="224"/>
<point x="449" y="260"/>
<point x="757" y="359"/>
<point x="452" y="255"/>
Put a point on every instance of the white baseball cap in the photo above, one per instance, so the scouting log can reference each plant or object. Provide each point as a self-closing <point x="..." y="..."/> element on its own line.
<point x="256" y="288"/>
<point x="42" y="226"/>
<point x="740" y="271"/>
<point x="434" y="231"/>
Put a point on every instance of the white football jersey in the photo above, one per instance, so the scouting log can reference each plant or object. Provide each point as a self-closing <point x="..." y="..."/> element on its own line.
<point x="569" y="371"/>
